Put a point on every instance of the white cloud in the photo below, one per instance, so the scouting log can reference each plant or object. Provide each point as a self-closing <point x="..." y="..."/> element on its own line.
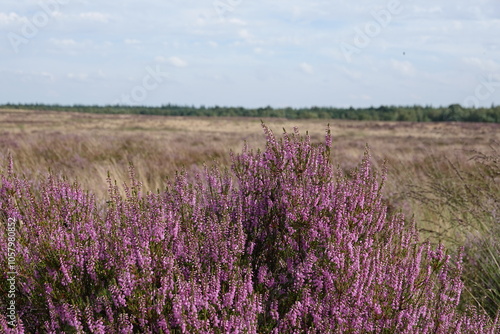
<point x="486" y="65"/>
<point x="95" y="17"/>
<point x="78" y="76"/>
<point x="351" y="73"/>
<point x="12" y="18"/>
<point x="74" y="18"/>
<point x="63" y="42"/>
<point x="243" y="33"/>
<point x="32" y="76"/>
<point x="58" y="14"/>
<point x="237" y="22"/>
<point x="403" y="67"/>
<point x="177" y="62"/>
<point x="130" y="41"/>
<point x="364" y="97"/>
<point x="263" y="51"/>
<point x="174" y="61"/>
<point x="307" y="68"/>
<point x="427" y="9"/>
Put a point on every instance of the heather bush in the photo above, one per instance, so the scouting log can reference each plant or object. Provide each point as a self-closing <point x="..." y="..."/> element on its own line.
<point x="280" y="243"/>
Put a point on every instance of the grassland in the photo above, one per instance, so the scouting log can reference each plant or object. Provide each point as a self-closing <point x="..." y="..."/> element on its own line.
<point x="445" y="174"/>
<point x="85" y="147"/>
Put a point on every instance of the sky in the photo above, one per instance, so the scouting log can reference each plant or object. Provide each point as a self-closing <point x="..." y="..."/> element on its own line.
<point x="278" y="53"/>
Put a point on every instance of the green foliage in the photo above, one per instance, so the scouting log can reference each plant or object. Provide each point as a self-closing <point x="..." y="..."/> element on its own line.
<point x="452" y="113"/>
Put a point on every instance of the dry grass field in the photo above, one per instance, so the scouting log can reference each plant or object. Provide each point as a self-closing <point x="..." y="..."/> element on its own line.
<point x="444" y="175"/>
<point x="85" y="147"/>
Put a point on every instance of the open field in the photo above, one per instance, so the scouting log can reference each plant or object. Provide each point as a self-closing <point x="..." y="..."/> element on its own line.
<point x="446" y="175"/>
<point x="86" y="146"/>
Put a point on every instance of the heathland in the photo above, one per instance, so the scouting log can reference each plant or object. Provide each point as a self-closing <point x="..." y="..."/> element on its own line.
<point x="86" y="146"/>
<point x="444" y="176"/>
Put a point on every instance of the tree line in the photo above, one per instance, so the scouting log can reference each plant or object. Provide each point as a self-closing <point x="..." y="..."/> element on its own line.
<point x="416" y="113"/>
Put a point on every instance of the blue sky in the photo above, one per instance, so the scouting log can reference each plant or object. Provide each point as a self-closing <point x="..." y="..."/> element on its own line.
<point x="250" y="53"/>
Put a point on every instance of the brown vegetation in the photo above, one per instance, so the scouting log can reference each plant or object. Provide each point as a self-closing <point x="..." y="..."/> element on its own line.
<point x="85" y="147"/>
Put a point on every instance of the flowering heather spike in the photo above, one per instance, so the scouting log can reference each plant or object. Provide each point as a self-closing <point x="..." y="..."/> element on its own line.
<point x="280" y="244"/>
<point x="10" y="168"/>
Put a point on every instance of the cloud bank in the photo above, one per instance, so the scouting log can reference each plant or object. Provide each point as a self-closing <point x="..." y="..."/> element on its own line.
<point x="252" y="53"/>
